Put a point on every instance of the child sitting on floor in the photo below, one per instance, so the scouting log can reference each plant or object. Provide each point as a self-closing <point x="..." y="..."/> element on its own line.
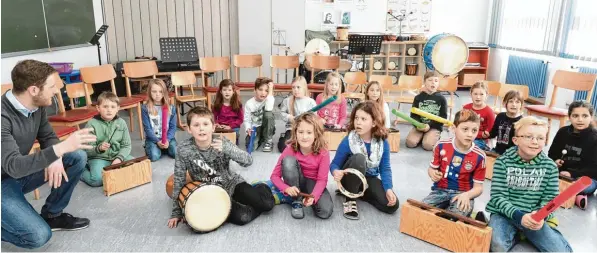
<point x="303" y="167"/>
<point x="159" y="121"/>
<point x="207" y="158"/>
<point x="113" y="143"/>
<point x="227" y="109"/>
<point x="479" y="105"/>
<point x="524" y="180"/>
<point x="579" y="140"/>
<point x="458" y="167"/>
<point x="503" y="127"/>
<point x="292" y="106"/>
<point x="258" y="113"/>
<point x="334" y="114"/>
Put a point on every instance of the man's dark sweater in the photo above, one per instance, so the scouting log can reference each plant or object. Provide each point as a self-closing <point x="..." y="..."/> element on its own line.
<point x="18" y="135"/>
<point x="435" y="104"/>
<point x="581" y="151"/>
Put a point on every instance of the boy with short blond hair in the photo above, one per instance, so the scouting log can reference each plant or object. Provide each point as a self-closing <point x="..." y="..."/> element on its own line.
<point x="113" y="143"/>
<point x="524" y="180"/>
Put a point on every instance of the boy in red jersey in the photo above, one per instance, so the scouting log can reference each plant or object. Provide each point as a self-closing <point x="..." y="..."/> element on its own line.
<point x="458" y="167"/>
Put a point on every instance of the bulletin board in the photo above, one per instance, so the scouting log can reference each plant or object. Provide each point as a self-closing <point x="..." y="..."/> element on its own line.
<point x="417" y="16"/>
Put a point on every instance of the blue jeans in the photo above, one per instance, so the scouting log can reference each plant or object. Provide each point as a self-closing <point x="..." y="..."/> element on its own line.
<point x="591" y="189"/>
<point x="482" y="144"/>
<point x="441" y="198"/>
<point x="503" y="237"/>
<point x="21" y="224"/>
<point x="236" y="130"/>
<point x="154" y="152"/>
<point x="93" y="176"/>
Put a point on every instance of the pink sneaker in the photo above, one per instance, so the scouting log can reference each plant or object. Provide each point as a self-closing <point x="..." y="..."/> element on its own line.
<point x="581" y="201"/>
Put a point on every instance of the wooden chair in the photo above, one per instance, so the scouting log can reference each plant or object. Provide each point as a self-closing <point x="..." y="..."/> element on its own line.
<point x="140" y="71"/>
<point x="212" y="65"/>
<point x="493" y="89"/>
<point x="183" y="79"/>
<point x="450" y="85"/>
<point x="320" y="62"/>
<point x="355" y="82"/>
<point x="566" y="80"/>
<point x="354" y="95"/>
<point x="104" y="73"/>
<point x="246" y="61"/>
<point x="75" y="116"/>
<point x="505" y="88"/>
<point x="407" y="84"/>
<point x="386" y="85"/>
<point x="281" y="62"/>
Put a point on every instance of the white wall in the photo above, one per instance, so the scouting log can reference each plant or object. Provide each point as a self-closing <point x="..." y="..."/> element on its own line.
<point x="254" y="33"/>
<point x="81" y="57"/>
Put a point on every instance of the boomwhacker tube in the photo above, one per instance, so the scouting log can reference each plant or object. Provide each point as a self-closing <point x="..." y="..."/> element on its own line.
<point x="430" y="116"/>
<point x="252" y="140"/>
<point x="320" y="106"/>
<point x="556" y="202"/>
<point x="408" y="119"/>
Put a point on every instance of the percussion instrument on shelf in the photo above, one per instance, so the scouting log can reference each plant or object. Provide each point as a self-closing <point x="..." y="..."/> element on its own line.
<point x="170" y="183"/>
<point x="126" y="175"/>
<point x="315" y="47"/>
<point x="411" y="69"/>
<point x="360" y="64"/>
<point x="341" y="33"/>
<point x="394" y="79"/>
<point x="411" y="51"/>
<point x="377" y="65"/>
<point x="352" y="194"/>
<point x="205" y="206"/>
<point x="430" y="224"/>
<point x="445" y="53"/>
<point x="392" y="65"/>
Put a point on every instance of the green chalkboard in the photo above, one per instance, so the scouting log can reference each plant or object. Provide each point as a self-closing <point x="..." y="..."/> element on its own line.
<point x="65" y="23"/>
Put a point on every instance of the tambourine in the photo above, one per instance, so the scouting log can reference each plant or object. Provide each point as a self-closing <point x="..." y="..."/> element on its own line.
<point x="350" y="194"/>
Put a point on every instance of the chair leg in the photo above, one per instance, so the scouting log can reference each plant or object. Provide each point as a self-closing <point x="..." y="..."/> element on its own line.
<point x="36" y="194"/>
<point x="178" y="117"/>
<point x="548" y="130"/>
<point x="132" y="126"/>
<point x="141" y="134"/>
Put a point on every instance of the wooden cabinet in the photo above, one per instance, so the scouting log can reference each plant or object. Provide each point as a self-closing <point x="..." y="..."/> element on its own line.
<point x="471" y="74"/>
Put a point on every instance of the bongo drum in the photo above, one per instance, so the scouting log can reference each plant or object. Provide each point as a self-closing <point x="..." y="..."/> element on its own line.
<point x="411" y="69"/>
<point x="445" y="53"/>
<point x="205" y="206"/>
<point x="351" y="194"/>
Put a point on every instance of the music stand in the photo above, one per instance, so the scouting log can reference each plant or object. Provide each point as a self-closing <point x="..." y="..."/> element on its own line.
<point x="95" y="41"/>
<point x="179" y="49"/>
<point x="364" y="44"/>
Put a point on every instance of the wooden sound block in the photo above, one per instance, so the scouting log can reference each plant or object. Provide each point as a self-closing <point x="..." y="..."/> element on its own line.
<point x="126" y="175"/>
<point x="170" y="184"/>
<point x="564" y="184"/>
<point x="455" y="236"/>
<point x="334" y="138"/>
<point x="489" y="161"/>
<point x="230" y="136"/>
<point x="394" y="140"/>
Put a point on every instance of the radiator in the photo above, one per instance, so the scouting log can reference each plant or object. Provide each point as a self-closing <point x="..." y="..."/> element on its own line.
<point x="582" y="95"/>
<point x="528" y="71"/>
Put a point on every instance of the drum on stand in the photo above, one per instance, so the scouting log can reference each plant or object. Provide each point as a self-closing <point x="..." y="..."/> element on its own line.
<point x="445" y="53"/>
<point x="205" y="206"/>
<point x="411" y="69"/>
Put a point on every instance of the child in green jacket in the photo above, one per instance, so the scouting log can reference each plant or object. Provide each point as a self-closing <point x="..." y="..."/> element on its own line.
<point x="113" y="143"/>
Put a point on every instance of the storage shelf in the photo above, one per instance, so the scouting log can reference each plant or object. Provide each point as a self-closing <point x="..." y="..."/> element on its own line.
<point x="469" y="67"/>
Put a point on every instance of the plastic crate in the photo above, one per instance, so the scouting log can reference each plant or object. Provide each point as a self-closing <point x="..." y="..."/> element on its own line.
<point x="63" y="67"/>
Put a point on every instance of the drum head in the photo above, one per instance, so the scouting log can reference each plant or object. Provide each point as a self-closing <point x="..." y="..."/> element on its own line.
<point x="449" y="55"/>
<point x="345" y="65"/>
<point x="318" y="46"/>
<point x="207" y="208"/>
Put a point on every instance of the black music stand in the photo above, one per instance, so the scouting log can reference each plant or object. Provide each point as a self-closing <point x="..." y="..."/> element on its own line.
<point x="364" y="45"/>
<point x="179" y="49"/>
<point x="95" y="41"/>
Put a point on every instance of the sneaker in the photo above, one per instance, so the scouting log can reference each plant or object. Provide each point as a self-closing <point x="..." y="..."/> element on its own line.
<point x="297" y="210"/>
<point x="350" y="210"/>
<point x="67" y="222"/>
<point x="480" y="216"/>
<point x="268" y="146"/>
<point x="581" y="201"/>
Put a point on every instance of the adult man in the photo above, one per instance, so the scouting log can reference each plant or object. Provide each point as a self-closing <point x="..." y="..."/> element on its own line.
<point x="24" y="120"/>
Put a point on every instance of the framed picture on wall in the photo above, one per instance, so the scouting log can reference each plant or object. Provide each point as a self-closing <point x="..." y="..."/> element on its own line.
<point x="328" y="18"/>
<point x="345" y="18"/>
<point x="328" y="1"/>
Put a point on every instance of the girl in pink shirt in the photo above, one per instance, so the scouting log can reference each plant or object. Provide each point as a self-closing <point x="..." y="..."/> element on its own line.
<point x="334" y="114"/>
<point x="303" y="167"/>
<point x="227" y="109"/>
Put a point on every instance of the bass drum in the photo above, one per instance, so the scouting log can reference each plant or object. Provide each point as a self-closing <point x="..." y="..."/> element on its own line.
<point x="445" y="53"/>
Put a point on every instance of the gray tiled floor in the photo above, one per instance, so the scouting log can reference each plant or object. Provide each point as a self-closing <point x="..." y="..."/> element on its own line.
<point x="135" y="220"/>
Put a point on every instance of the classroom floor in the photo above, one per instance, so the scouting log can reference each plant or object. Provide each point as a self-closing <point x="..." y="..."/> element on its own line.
<point x="135" y="220"/>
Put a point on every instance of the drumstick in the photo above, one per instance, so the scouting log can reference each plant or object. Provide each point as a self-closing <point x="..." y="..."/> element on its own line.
<point x="306" y="195"/>
<point x="556" y="202"/>
<point x="407" y="118"/>
<point x="113" y="134"/>
<point x="251" y="140"/>
<point x="430" y="116"/>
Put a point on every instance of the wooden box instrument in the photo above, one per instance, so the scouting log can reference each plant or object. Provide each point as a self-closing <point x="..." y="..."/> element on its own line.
<point x="565" y="182"/>
<point x="445" y="229"/>
<point x="126" y="175"/>
<point x="394" y="140"/>
<point x="334" y="137"/>
<point x="489" y="162"/>
<point x="226" y="133"/>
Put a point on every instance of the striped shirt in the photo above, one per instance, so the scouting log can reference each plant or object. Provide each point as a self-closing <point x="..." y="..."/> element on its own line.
<point x="522" y="186"/>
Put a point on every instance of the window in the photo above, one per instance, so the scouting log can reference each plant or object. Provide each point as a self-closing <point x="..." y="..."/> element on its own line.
<point x="580" y="31"/>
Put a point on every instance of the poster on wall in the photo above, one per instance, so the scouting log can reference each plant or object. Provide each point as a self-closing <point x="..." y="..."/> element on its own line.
<point x="328" y="18"/>
<point x="414" y="16"/>
<point x="345" y="18"/>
